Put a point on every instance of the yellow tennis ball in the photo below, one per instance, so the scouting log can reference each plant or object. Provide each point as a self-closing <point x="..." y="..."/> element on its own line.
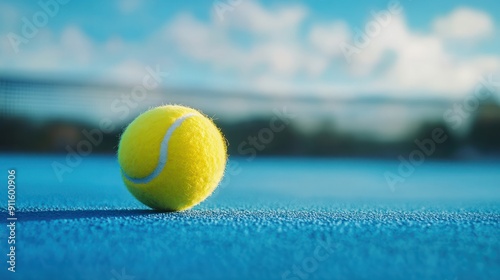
<point x="172" y="157"/>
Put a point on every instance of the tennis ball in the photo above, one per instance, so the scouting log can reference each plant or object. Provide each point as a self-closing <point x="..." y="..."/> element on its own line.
<point x="172" y="157"/>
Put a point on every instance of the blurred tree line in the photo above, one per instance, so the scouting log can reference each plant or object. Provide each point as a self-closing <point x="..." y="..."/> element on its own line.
<point x="481" y="140"/>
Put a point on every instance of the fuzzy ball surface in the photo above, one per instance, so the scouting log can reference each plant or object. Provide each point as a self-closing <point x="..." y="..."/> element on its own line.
<point x="172" y="157"/>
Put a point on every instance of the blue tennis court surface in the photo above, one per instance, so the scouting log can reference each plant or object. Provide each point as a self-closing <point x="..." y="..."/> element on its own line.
<point x="271" y="219"/>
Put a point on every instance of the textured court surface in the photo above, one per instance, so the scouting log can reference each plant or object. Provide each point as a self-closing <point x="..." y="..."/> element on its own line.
<point x="274" y="219"/>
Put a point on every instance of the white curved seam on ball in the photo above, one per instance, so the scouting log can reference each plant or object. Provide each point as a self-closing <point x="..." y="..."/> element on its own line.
<point x="163" y="153"/>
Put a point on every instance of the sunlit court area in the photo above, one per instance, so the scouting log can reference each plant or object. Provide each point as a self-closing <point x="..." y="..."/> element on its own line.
<point x="238" y="139"/>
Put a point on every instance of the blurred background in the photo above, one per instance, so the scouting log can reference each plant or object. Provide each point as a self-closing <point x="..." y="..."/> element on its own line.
<point x="371" y="124"/>
<point x="352" y="80"/>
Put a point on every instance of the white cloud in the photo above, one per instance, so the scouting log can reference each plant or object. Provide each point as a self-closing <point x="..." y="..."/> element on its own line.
<point x="194" y="38"/>
<point x="70" y="52"/>
<point x="464" y="24"/>
<point x="253" y="17"/>
<point x="129" y="71"/>
<point x="315" y="65"/>
<point x="327" y="38"/>
<point x="284" y="50"/>
<point x="281" y="59"/>
<point x="76" y="44"/>
<point x="489" y="63"/>
<point x="420" y="64"/>
<point x="211" y="43"/>
<point x="114" y="45"/>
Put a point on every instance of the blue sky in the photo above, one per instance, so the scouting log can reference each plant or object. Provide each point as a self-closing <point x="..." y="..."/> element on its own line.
<point x="434" y="48"/>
